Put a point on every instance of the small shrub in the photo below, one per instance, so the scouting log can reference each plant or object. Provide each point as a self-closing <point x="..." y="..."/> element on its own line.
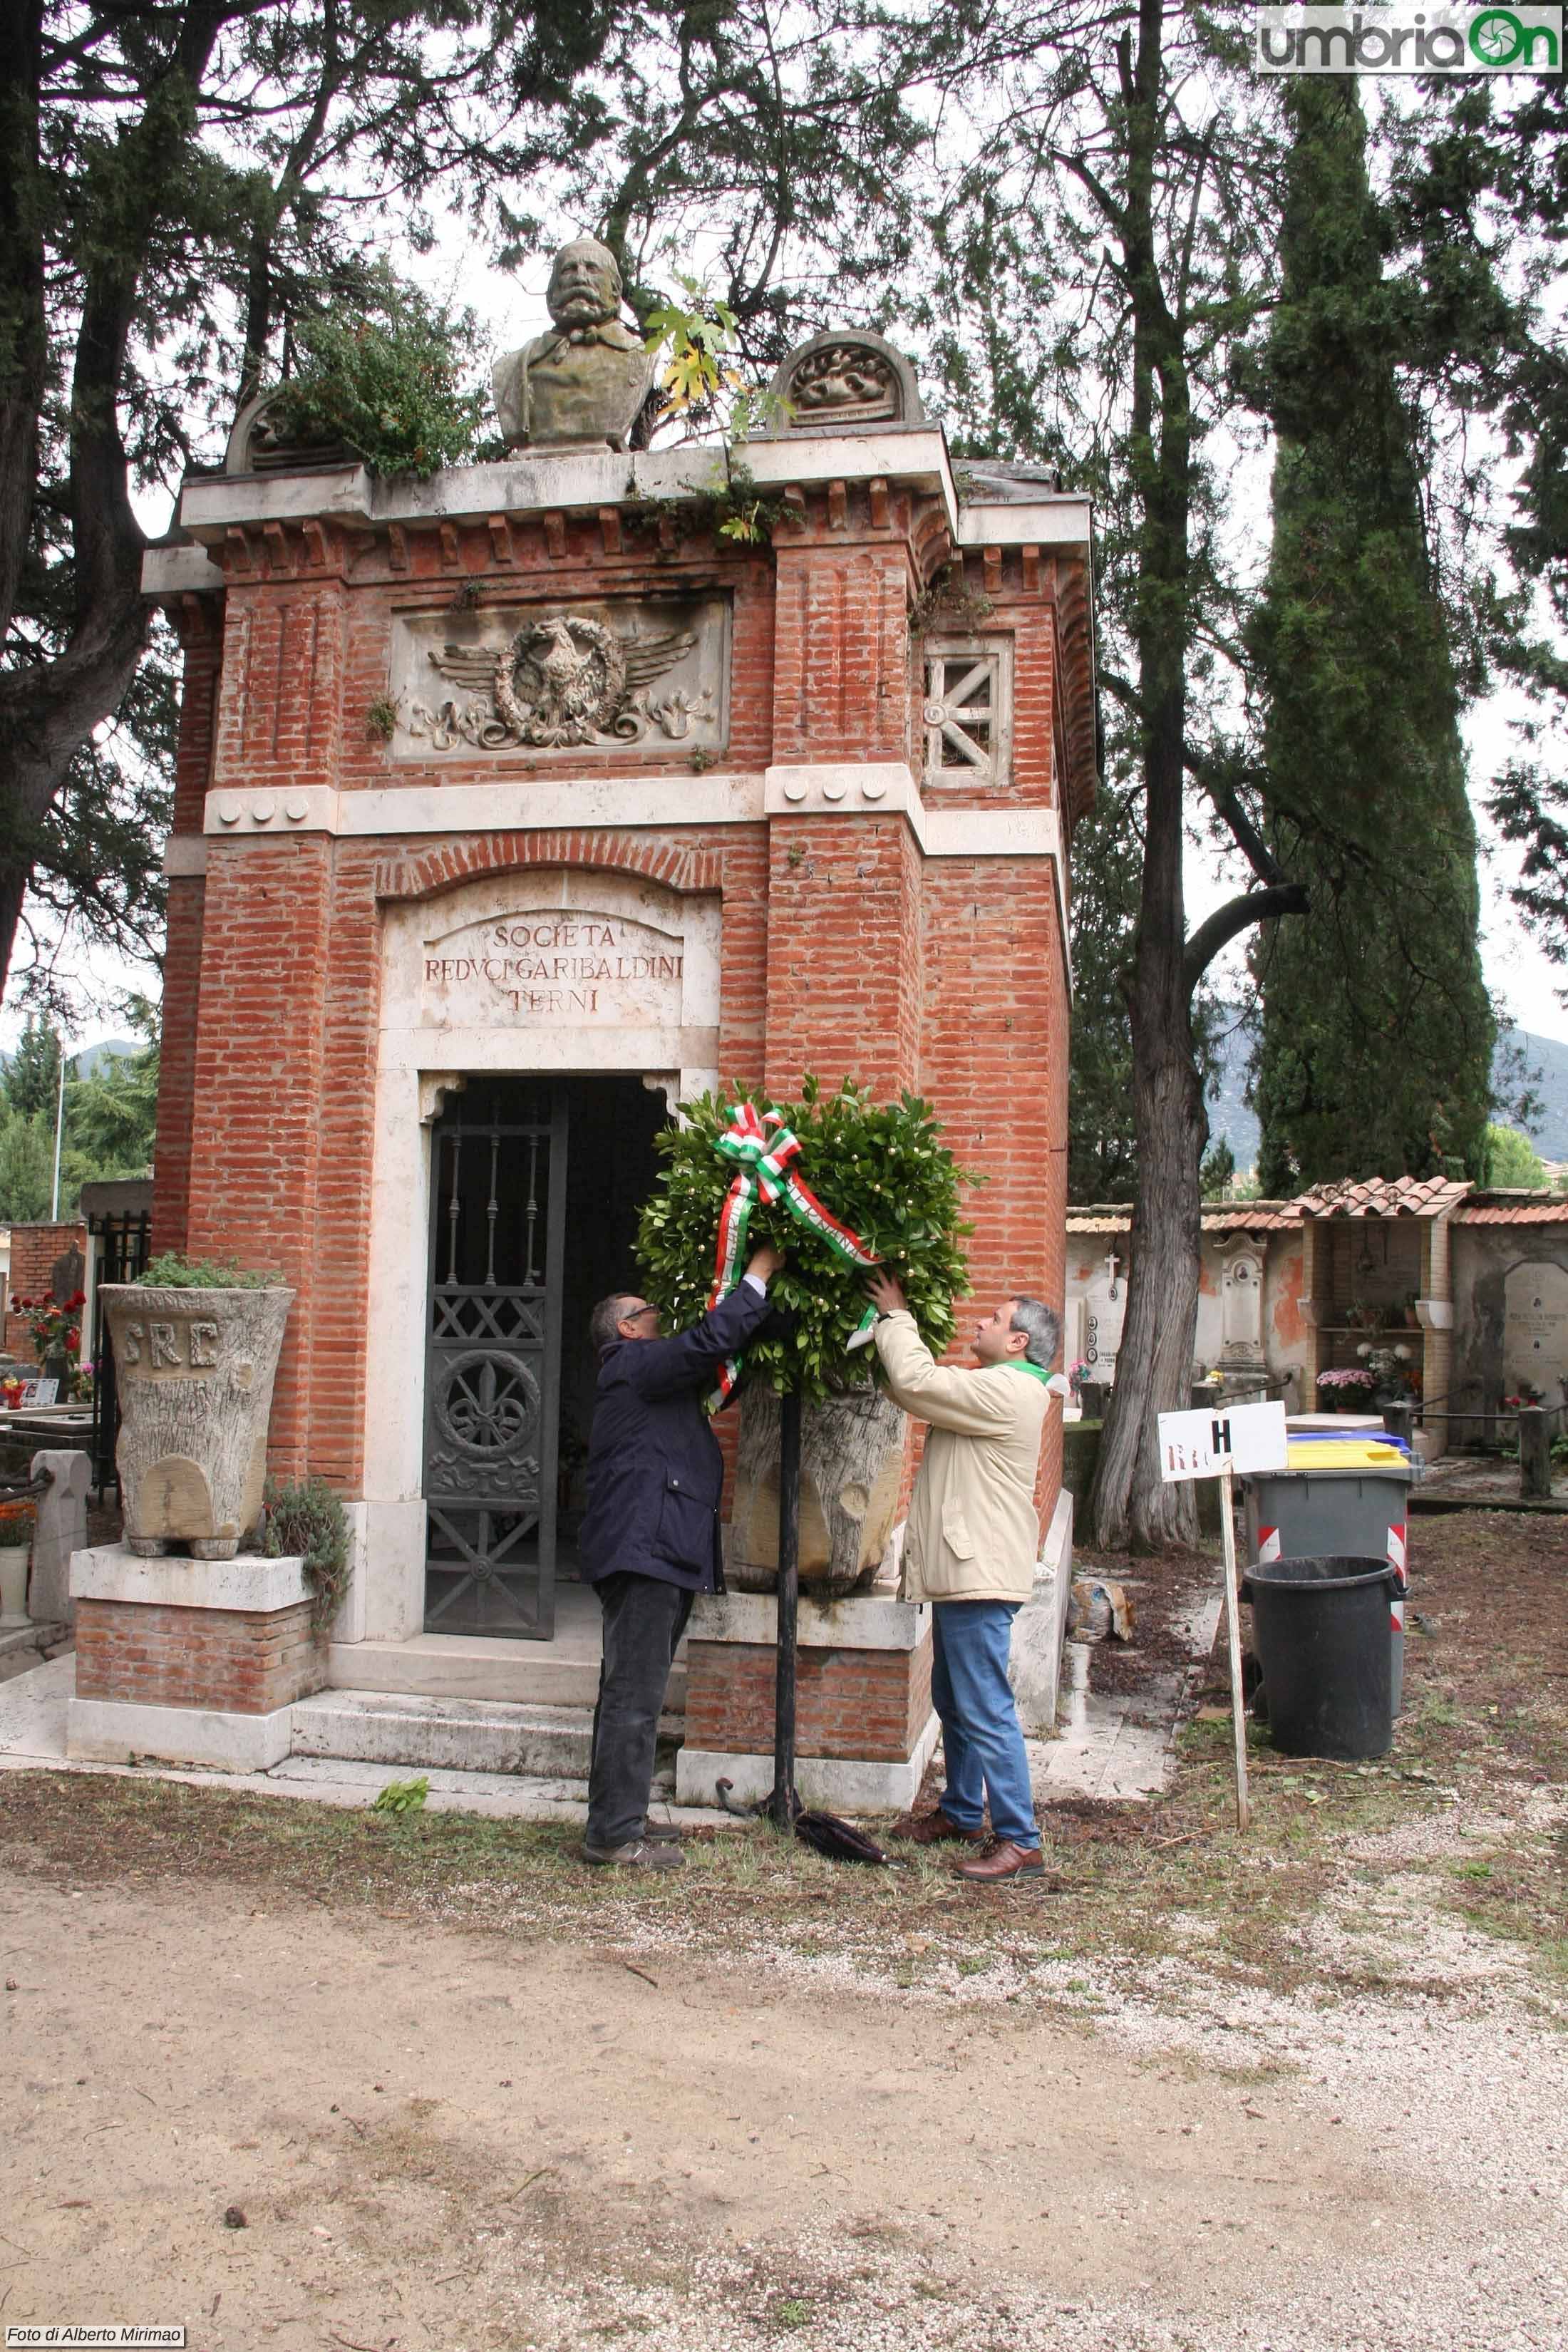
<point x="380" y="721"/>
<point x="305" y="1516"/>
<point x="403" y="1797"/>
<point x="175" y="1271"/>
<point x="387" y="384"/>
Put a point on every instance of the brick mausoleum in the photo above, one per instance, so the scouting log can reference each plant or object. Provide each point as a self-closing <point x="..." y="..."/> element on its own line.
<point x="438" y="970"/>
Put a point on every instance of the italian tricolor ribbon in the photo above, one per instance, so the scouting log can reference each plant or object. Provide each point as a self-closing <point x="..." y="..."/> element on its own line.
<point x="764" y="1151"/>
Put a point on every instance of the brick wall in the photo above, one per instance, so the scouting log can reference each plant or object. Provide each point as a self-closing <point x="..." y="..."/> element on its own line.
<point x="33" y="1250"/>
<point x="869" y="1703"/>
<point x="243" y="1661"/>
<point x="843" y="949"/>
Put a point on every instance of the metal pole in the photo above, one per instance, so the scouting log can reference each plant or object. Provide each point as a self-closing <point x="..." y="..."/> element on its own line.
<point x="1233" y="1624"/>
<point x="59" y="1129"/>
<point x="786" y="1804"/>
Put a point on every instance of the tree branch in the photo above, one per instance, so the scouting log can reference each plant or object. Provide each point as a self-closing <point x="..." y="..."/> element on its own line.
<point x="1238" y="914"/>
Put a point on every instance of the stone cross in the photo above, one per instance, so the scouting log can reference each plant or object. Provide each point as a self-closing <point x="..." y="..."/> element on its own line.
<point x="1111" y="1262"/>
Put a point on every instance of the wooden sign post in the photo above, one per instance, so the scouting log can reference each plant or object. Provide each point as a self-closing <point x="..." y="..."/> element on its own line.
<point x="1215" y="1445"/>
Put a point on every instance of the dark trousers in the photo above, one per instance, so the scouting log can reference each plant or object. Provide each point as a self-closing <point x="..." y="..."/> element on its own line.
<point x="644" y="1621"/>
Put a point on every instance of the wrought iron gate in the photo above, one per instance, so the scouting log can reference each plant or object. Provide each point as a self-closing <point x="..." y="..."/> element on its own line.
<point x="493" y="1373"/>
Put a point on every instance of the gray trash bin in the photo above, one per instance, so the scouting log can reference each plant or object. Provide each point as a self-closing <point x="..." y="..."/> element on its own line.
<point x="1308" y="1514"/>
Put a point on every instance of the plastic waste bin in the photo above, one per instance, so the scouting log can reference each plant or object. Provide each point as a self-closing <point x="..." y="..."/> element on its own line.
<point x="1318" y="1509"/>
<point x="1320" y="1628"/>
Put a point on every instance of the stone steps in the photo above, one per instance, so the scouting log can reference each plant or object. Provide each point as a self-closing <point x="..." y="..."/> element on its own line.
<point x="396" y="1729"/>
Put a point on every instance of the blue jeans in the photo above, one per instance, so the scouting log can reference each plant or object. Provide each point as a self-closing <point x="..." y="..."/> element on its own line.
<point x="980" y="1733"/>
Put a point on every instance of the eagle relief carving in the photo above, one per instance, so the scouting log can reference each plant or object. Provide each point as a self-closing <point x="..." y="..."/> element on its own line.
<point x="563" y="680"/>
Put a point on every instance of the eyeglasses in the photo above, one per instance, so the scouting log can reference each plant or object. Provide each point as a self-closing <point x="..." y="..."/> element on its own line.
<point x="637" y="1313"/>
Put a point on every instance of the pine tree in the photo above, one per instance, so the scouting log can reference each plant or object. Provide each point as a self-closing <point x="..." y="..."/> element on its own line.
<point x="33" y="1074"/>
<point x="1375" y="1049"/>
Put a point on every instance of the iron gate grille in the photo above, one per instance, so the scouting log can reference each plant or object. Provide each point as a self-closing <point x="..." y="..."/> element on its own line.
<point x="493" y="1363"/>
<point x="124" y="1248"/>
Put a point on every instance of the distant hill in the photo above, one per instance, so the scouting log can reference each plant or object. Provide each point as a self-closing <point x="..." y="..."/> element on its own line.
<point x="1545" y="1060"/>
<point x="91" y="1059"/>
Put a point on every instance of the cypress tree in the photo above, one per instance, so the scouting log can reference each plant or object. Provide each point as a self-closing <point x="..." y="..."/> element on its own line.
<point x="1374" y="1055"/>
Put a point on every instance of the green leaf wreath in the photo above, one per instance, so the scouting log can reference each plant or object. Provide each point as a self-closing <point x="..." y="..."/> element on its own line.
<point x="880" y="1168"/>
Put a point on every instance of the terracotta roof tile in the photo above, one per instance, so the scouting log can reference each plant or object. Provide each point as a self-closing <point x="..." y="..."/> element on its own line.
<point x="1514" y="1208"/>
<point x="1382" y="1196"/>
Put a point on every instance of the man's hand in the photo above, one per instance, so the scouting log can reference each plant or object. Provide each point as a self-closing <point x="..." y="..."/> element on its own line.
<point x="765" y="1262"/>
<point x="887" y="1296"/>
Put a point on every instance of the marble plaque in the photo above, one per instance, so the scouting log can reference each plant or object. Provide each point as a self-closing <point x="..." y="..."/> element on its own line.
<point x="530" y="682"/>
<point x="554" y="964"/>
<point x="1535" y="1325"/>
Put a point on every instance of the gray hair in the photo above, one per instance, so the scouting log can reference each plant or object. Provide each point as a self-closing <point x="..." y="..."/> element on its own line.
<point x="605" y="1323"/>
<point x="1042" y="1330"/>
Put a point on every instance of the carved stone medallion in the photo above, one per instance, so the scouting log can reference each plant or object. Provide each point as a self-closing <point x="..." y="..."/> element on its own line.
<point x="566" y="678"/>
<point x="845" y="382"/>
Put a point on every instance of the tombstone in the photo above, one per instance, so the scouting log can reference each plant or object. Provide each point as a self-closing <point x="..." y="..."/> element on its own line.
<point x="61" y="1530"/>
<point x="67" y="1277"/>
<point x="1536" y="1326"/>
<point x="1242" y="1307"/>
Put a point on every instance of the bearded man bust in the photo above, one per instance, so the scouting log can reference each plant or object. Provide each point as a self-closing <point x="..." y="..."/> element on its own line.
<point x="585" y="381"/>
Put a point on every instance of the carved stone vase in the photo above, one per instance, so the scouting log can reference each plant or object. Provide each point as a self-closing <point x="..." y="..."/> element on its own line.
<point x="193" y="1371"/>
<point x="852" y="1452"/>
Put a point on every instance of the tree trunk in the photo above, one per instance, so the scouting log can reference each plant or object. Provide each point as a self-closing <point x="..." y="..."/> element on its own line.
<point x="1130" y="1504"/>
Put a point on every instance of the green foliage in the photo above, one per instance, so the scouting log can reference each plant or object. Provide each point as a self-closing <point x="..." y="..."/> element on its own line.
<point x="306" y="1516"/>
<point x="111" y="1116"/>
<point x="1509" y="1159"/>
<point x="697" y="336"/>
<point x="880" y="1168"/>
<point x="33" y="1074"/>
<point x="1374" y="1056"/>
<point x="109" y="1119"/>
<point x="1218" y="1170"/>
<point x="27" y="1168"/>
<point x="388" y="382"/>
<point x="1108" y="857"/>
<point x="175" y="1271"/>
<point x="401" y="1797"/>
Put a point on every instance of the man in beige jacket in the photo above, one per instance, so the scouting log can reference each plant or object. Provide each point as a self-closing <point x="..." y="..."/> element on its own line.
<point x="971" y="1542"/>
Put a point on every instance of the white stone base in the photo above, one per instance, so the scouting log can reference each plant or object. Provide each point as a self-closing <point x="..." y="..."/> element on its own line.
<point x="836" y="1784"/>
<point x="861" y="1621"/>
<point x="249" y="1581"/>
<point x="1040" y="1627"/>
<point x="117" y="1731"/>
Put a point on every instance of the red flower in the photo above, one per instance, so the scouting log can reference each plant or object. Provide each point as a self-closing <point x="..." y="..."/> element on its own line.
<point x="73" y="1342"/>
<point x="78" y="1298"/>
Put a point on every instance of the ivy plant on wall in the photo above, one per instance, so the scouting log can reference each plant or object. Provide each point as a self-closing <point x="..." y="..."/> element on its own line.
<point x="879" y="1168"/>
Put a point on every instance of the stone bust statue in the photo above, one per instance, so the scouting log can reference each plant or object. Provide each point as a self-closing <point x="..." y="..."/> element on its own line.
<point x="585" y="381"/>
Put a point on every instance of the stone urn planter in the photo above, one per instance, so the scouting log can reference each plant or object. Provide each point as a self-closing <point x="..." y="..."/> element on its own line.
<point x="194" y="1370"/>
<point x="852" y="1453"/>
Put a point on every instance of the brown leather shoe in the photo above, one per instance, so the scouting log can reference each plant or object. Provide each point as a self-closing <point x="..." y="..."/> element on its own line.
<point x="936" y="1829"/>
<point x="1003" y="1861"/>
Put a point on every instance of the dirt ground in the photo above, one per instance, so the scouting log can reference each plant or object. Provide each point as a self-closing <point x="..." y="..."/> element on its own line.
<point x="297" y="2077"/>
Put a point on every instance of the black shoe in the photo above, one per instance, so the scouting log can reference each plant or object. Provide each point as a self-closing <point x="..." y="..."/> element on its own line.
<point x="638" y="1853"/>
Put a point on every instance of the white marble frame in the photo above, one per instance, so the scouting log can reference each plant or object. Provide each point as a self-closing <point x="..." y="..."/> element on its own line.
<point x="416" y="1064"/>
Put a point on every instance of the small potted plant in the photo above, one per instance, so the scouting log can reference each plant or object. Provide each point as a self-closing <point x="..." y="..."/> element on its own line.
<point x="1346" y="1389"/>
<point x="197" y="1343"/>
<point x="17" y="1522"/>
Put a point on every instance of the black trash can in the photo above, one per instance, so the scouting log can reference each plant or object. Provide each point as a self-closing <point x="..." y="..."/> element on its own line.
<point x="1320" y="1629"/>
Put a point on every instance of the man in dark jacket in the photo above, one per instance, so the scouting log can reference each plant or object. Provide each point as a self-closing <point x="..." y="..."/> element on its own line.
<point x="650" y="1539"/>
